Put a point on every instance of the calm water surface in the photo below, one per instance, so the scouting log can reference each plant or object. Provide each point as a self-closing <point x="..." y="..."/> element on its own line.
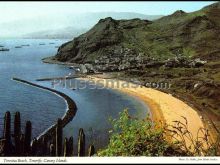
<point x="42" y="107"/>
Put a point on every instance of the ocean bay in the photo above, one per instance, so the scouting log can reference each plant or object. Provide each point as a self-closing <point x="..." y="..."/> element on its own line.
<point x="95" y="106"/>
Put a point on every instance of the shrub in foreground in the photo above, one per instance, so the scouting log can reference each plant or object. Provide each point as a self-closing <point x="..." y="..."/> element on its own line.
<point x="133" y="137"/>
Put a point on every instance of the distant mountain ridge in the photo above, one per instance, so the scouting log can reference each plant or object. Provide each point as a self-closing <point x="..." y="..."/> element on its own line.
<point x="64" y="33"/>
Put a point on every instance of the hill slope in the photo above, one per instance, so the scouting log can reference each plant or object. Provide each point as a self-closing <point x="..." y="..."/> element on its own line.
<point x="182" y="49"/>
<point x="187" y="34"/>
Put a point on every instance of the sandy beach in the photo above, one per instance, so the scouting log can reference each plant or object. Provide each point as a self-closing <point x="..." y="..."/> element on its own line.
<point x="163" y="107"/>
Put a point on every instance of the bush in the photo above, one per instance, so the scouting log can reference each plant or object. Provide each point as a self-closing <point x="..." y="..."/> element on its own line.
<point x="133" y="137"/>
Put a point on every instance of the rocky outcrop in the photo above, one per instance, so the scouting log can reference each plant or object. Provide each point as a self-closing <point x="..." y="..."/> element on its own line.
<point x="100" y="41"/>
<point x="183" y="62"/>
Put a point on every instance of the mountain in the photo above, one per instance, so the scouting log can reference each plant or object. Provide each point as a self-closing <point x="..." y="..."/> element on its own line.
<point x="63" y="33"/>
<point x="180" y="34"/>
<point x="182" y="49"/>
<point x="58" y="23"/>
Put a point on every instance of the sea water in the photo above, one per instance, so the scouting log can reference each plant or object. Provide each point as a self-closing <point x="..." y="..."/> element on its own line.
<point x="42" y="108"/>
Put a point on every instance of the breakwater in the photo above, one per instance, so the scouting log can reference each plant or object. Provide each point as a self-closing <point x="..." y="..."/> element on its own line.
<point x="68" y="116"/>
<point x="60" y="78"/>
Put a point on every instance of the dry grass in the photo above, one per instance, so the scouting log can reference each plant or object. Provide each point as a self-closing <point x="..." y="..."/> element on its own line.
<point x="199" y="145"/>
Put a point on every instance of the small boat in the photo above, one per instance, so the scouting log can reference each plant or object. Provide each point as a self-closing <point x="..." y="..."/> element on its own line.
<point x="1" y="46"/>
<point x="25" y="45"/>
<point x="18" y="46"/>
<point x="4" y="49"/>
<point x="51" y="43"/>
<point x="41" y="43"/>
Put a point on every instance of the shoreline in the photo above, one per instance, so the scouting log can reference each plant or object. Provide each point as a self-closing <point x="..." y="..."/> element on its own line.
<point x="155" y="108"/>
<point x="67" y="117"/>
<point x="164" y="107"/>
<point x="50" y="60"/>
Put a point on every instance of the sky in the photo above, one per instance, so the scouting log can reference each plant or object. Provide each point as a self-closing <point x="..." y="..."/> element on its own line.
<point x="11" y="11"/>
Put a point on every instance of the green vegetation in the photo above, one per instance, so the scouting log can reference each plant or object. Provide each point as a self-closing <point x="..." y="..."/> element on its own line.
<point x="160" y="52"/>
<point x="194" y="34"/>
<point x="187" y="52"/>
<point x="133" y="137"/>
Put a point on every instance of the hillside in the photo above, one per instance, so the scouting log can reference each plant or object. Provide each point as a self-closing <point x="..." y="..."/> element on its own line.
<point x="187" y="34"/>
<point x="181" y="48"/>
